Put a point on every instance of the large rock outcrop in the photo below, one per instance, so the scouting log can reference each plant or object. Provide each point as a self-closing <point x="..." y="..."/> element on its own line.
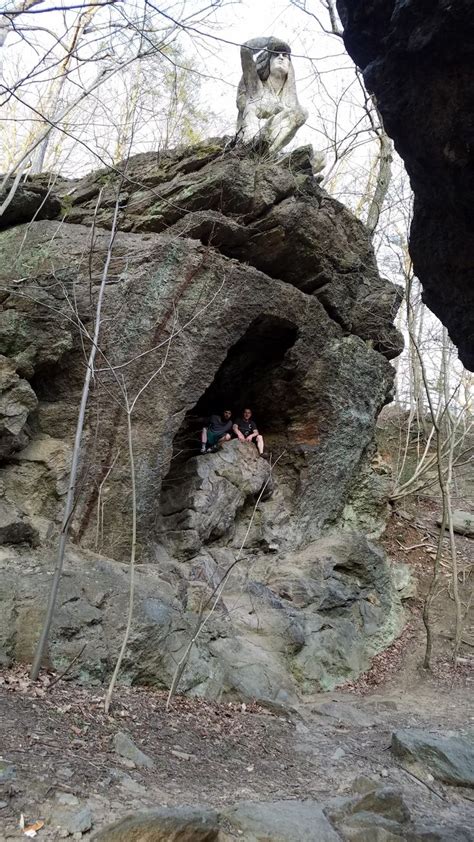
<point x="232" y="279"/>
<point x="418" y="60"/>
<point x="287" y="623"/>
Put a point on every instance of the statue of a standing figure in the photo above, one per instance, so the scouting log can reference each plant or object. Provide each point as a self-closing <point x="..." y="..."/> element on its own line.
<point x="269" y="110"/>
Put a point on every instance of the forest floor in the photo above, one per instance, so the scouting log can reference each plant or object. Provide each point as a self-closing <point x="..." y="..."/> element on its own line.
<point x="62" y="743"/>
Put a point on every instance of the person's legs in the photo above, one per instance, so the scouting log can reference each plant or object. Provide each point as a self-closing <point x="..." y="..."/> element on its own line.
<point x="209" y="440"/>
<point x="259" y="443"/>
<point x="213" y="442"/>
<point x="204" y="439"/>
<point x="220" y="441"/>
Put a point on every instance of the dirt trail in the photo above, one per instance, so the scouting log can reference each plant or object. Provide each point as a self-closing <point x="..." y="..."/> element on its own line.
<point x="61" y="742"/>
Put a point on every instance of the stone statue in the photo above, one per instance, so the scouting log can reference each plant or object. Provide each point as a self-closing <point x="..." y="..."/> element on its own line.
<point x="268" y="106"/>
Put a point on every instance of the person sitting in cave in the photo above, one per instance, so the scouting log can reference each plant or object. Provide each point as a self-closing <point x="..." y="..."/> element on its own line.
<point x="246" y="430"/>
<point x="216" y="432"/>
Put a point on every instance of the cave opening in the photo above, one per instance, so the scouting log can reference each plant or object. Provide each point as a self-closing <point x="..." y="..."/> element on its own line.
<point x="256" y="373"/>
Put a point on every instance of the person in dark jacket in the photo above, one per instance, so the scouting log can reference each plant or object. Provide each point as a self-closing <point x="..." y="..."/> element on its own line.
<point x="245" y="429"/>
<point x="217" y="431"/>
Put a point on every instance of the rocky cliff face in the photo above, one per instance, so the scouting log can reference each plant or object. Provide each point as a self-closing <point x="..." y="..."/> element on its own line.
<point x="418" y="59"/>
<point x="232" y="280"/>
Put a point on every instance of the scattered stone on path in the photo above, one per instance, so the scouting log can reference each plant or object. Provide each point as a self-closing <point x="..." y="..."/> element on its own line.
<point x="346" y="714"/>
<point x="125" y="747"/>
<point x="449" y="759"/>
<point x="134" y="787"/>
<point x="15" y="528"/>
<point x="381" y="703"/>
<point x="65" y="772"/>
<point x="373" y="814"/>
<point x="363" y="784"/>
<point x="404" y="580"/>
<point x="7" y="771"/>
<point x="174" y="824"/>
<point x="281" y="821"/>
<point x="71" y="821"/>
<point x="182" y="755"/>
<point x="383" y="801"/>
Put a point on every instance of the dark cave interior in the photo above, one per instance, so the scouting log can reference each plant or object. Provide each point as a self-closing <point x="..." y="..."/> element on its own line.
<point x="256" y="373"/>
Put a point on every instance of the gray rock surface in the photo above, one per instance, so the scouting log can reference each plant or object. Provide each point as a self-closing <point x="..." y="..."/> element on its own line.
<point x="15" y="527"/>
<point x="210" y="492"/>
<point x="380" y="815"/>
<point x="174" y="824"/>
<point x="72" y="821"/>
<point x="435" y="833"/>
<point x="284" y="625"/>
<point x="449" y="758"/>
<point x="7" y="771"/>
<point x="301" y="331"/>
<point x="125" y="747"/>
<point x="463" y="523"/>
<point x="32" y="199"/>
<point x="234" y="278"/>
<point x="281" y="821"/>
<point x="277" y="821"/>
<point x="404" y="580"/>
<point x="346" y="714"/>
<point x="17" y="400"/>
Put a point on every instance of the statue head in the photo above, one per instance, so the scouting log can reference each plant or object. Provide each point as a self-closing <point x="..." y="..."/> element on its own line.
<point x="275" y="59"/>
<point x="279" y="65"/>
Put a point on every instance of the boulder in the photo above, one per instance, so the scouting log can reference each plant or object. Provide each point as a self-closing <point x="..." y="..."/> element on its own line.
<point x="15" y="528"/>
<point x="34" y="479"/>
<point x="31" y="200"/>
<point x="71" y="820"/>
<point x="17" y="400"/>
<point x="234" y="279"/>
<point x="463" y="523"/>
<point x="125" y="747"/>
<point x="347" y="580"/>
<point x="449" y="758"/>
<point x="281" y="821"/>
<point x="203" y="503"/>
<point x="346" y="714"/>
<point x="272" y="821"/>
<point x="168" y="824"/>
<point x="293" y="318"/>
<point x="280" y="627"/>
<point x="386" y="802"/>
<point x="404" y="580"/>
<point x="7" y="771"/>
